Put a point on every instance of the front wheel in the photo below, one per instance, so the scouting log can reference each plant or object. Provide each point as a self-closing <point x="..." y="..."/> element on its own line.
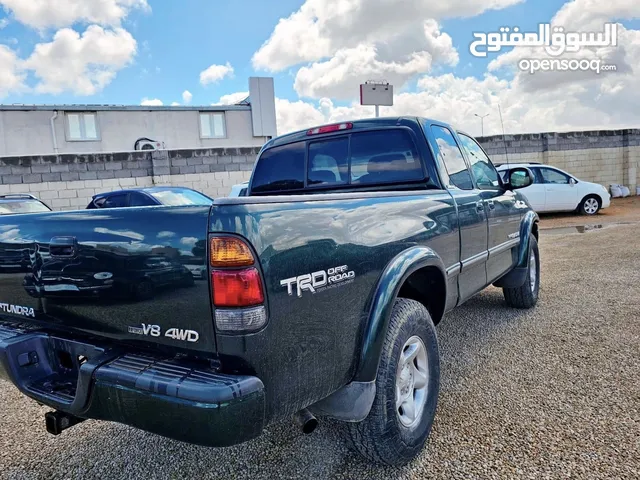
<point x="589" y="206"/>
<point x="407" y="386"/>
<point x="526" y="296"/>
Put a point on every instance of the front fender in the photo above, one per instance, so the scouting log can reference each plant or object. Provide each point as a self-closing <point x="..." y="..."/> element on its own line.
<point x="384" y="296"/>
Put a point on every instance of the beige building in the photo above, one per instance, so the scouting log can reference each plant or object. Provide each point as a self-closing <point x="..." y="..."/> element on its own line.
<point x="60" y="129"/>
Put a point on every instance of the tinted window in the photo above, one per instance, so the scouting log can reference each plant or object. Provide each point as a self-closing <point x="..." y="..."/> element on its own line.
<point x="329" y="162"/>
<point x="280" y="169"/>
<point x="139" y="200"/>
<point x="553" y="176"/>
<point x="115" y="201"/>
<point x="384" y="156"/>
<point x="452" y="158"/>
<point x="180" y="196"/>
<point x="481" y="167"/>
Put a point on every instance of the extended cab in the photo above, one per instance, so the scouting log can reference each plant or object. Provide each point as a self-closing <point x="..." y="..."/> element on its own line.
<point x="324" y="284"/>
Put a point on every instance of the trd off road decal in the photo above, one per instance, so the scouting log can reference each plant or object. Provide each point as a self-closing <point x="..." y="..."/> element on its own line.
<point x="319" y="281"/>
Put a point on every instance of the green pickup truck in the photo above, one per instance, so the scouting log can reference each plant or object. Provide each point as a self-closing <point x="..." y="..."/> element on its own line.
<point x="323" y="285"/>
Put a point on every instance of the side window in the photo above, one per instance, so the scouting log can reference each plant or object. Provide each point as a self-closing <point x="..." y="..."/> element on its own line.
<point x="553" y="176"/>
<point x="280" y="169"/>
<point x="384" y="156"/>
<point x="115" y="201"/>
<point x="452" y="158"/>
<point x="537" y="175"/>
<point x="139" y="200"/>
<point x="481" y="167"/>
<point x="328" y="162"/>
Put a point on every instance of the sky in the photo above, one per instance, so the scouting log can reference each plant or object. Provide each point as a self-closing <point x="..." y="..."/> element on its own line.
<point x="201" y="52"/>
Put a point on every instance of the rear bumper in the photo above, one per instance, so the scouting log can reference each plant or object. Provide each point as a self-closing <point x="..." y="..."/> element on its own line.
<point x="606" y="200"/>
<point x="177" y="399"/>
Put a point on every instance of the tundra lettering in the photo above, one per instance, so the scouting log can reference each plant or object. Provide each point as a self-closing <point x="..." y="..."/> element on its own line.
<point x="17" y="309"/>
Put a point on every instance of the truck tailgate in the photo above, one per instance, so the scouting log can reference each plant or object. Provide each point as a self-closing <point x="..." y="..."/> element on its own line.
<point x="136" y="275"/>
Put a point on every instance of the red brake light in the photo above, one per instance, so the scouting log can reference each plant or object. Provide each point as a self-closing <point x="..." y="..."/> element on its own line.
<point x="237" y="288"/>
<point x="330" y="128"/>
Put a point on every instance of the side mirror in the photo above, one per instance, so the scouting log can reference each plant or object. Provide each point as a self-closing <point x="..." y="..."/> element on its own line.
<point x="519" y="177"/>
<point x="572" y="181"/>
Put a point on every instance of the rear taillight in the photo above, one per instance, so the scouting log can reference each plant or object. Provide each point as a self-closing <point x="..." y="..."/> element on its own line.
<point x="237" y="288"/>
<point x="230" y="252"/>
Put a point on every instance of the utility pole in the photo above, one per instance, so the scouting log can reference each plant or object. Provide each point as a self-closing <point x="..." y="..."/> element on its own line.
<point x="481" y="117"/>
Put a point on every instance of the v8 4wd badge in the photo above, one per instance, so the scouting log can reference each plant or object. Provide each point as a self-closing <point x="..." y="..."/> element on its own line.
<point x="174" y="333"/>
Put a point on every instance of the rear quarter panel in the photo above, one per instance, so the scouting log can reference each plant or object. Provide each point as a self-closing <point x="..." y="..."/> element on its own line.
<point x="309" y="347"/>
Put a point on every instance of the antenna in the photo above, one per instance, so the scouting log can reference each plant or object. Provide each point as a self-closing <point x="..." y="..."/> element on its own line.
<point x="504" y="138"/>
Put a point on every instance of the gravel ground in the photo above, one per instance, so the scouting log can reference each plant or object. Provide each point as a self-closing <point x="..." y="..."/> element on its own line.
<point x="548" y="393"/>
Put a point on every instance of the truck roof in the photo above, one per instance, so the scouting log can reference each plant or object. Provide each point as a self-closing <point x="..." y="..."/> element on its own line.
<point x="357" y="125"/>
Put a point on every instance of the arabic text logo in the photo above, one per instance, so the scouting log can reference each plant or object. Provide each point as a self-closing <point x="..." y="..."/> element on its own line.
<point x="555" y="42"/>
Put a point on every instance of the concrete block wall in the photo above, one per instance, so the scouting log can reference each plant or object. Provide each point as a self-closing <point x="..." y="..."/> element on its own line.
<point x="600" y="156"/>
<point x="68" y="182"/>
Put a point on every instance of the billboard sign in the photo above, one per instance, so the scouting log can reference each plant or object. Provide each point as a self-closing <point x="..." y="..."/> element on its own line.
<point x="379" y="94"/>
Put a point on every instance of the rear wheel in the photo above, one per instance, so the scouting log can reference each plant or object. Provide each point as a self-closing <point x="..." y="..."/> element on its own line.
<point x="526" y="296"/>
<point x="589" y="206"/>
<point x="407" y="386"/>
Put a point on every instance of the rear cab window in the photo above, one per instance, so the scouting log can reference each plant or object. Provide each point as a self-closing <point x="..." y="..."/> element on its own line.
<point x="375" y="157"/>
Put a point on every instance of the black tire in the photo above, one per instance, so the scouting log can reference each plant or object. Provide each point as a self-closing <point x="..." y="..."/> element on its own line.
<point x="587" y="205"/>
<point x="526" y="296"/>
<point x="381" y="437"/>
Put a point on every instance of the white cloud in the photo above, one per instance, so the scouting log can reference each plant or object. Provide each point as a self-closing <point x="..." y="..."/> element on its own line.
<point x="189" y="241"/>
<point x="340" y="76"/>
<point x="120" y="233"/>
<point x="11" y="76"/>
<point x="187" y="97"/>
<point x="292" y="116"/>
<point x="151" y="102"/>
<point x="232" y="98"/>
<point x="82" y="64"/>
<point x="320" y="28"/>
<point x="175" y="104"/>
<point x="215" y="73"/>
<point x="4" y="23"/>
<point x="62" y="13"/>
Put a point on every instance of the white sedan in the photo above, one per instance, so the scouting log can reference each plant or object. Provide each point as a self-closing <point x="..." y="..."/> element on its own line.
<point x="239" y="190"/>
<point x="554" y="190"/>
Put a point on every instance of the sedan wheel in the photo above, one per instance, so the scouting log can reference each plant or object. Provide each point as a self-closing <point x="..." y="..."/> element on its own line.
<point x="590" y="206"/>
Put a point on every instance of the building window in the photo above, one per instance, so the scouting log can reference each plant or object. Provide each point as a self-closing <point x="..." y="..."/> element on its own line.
<point x="212" y="125"/>
<point x="82" y="127"/>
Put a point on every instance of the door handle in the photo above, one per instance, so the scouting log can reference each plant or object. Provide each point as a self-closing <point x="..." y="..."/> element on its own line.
<point x="492" y="205"/>
<point x="479" y="206"/>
